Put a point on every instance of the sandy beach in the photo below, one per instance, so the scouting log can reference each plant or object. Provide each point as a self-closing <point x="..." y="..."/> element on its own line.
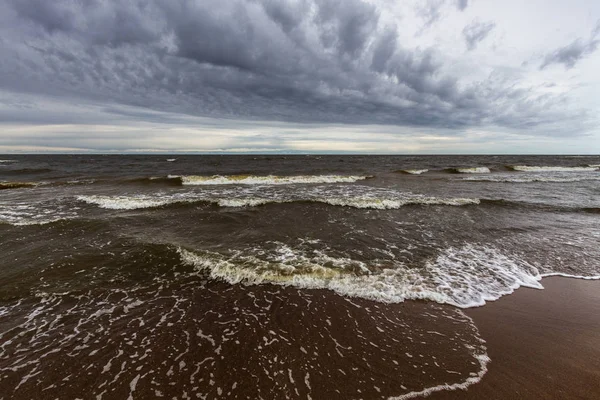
<point x="544" y="344"/>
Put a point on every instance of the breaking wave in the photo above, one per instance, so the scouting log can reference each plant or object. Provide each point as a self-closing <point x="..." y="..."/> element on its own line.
<point x="126" y="202"/>
<point x="527" y="168"/>
<point x="472" y="170"/>
<point x="139" y="202"/>
<point x="17" y="185"/>
<point x="464" y="277"/>
<point x="265" y="180"/>
<point x="531" y="178"/>
<point x="413" y="171"/>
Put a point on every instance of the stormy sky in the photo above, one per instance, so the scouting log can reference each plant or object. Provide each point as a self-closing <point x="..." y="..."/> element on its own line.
<point x="377" y="76"/>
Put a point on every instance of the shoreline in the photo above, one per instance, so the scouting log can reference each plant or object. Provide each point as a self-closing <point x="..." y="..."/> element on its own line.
<point x="543" y="344"/>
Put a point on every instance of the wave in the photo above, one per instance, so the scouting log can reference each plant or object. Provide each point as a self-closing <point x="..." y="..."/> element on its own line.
<point x="126" y="202"/>
<point x="22" y="214"/>
<point x="140" y="202"/>
<point x="26" y="171"/>
<point x="8" y="161"/>
<point x="413" y="171"/>
<point x="17" y="185"/>
<point x="527" y="168"/>
<point x="28" y="222"/>
<point x="563" y="275"/>
<point x="386" y="204"/>
<point x="471" y="170"/>
<point x="154" y="180"/>
<point x="464" y="277"/>
<point x="265" y="180"/>
<point x="531" y="178"/>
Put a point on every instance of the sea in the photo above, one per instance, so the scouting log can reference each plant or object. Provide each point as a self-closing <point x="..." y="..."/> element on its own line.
<point x="274" y="276"/>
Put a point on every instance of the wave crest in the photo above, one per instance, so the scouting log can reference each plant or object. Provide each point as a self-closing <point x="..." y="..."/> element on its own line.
<point x="464" y="277"/>
<point x="471" y="170"/>
<point x="265" y="180"/>
<point x="528" y="168"/>
<point x="17" y="185"/>
<point x="357" y="201"/>
<point x="413" y="171"/>
<point x="530" y="179"/>
<point x="126" y="202"/>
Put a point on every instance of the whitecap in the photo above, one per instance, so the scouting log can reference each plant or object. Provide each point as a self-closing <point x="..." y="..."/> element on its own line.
<point x="265" y="180"/>
<point x="527" y="168"/>
<point x="126" y="202"/>
<point x="532" y="178"/>
<point x="345" y="200"/>
<point x="467" y="276"/>
<point x="473" y="170"/>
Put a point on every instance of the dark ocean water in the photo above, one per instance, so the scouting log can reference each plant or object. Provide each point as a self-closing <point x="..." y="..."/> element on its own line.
<point x="253" y="276"/>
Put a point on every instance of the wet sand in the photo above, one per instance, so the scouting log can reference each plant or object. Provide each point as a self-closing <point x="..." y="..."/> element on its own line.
<point x="544" y="344"/>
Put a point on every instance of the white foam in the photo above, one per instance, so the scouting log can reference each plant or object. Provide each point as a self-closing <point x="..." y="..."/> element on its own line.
<point x="527" y="168"/>
<point x="8" y="161"/>
<point x="474" y="170"/>
<point x="126" y="202"/>
<point x="531" y="178"/>
<point x="22" y="214"/>
<point x="561" y="274"/>
<point x="415" y="171"/>
<point x="360" y="201"/>
<point x="171" y="159"/>
<point x="245" y="202"/>
<point x="265" y="180"/>
<point x="383" y="203"/>
<point x="482" y="359"/>
<point x="464" y="277"/>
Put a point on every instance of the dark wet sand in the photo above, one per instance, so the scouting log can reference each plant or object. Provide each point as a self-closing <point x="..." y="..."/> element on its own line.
<point x="544" y="344"/>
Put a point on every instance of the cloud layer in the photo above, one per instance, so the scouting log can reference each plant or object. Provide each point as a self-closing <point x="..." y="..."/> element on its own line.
<point x="299" y="61"/>
<point x="572" y="53"/>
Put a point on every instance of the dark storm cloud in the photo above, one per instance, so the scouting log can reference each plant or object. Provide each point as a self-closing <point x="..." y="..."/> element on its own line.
<point x="475" y="32"/>
<point x="305" y="61"/>
<point x="572" y="53"/>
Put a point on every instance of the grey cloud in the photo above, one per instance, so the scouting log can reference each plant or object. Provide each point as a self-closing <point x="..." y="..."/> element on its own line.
<point x="571" y="54"/>
<point x="477" y="31"/>
<point x="574" y="52"/>
<point x="462" y="4"/>
<point x="98" y="22"/>
<point x="430" y="11"/>
<point x="304" y="61"/>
